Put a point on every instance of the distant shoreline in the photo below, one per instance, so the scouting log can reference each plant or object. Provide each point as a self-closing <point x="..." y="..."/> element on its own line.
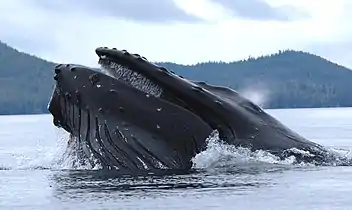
<point x="284" y="80"/>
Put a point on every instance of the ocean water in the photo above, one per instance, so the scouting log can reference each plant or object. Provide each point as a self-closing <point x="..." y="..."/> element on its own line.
<point x="34" y="175"/>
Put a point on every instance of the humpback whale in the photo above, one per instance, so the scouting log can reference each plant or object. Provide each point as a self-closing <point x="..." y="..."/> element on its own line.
<point x="132" y="114"/>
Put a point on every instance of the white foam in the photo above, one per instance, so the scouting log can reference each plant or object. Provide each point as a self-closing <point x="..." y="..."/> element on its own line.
<point x="218" y="154"/>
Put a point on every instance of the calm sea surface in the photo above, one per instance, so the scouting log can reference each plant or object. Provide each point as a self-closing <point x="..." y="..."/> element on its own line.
<point x="33" y="175"/>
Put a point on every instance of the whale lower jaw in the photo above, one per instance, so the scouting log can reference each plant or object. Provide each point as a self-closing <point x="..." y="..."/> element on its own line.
<point x="120" y="127"/>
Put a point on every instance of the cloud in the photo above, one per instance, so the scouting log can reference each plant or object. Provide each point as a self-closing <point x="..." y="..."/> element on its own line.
<point x="261" y="10"/>
<point x="138" y="10"/>
<point x="69" y="33"/>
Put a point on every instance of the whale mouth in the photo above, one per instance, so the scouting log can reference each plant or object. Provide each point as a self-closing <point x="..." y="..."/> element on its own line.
<point x="133" y="114"/>
<point x="129" y="77"/>
<point x="137" y="72"/>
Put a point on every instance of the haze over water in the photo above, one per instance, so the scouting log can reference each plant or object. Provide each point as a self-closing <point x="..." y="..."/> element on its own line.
<point x="34" y="176"/>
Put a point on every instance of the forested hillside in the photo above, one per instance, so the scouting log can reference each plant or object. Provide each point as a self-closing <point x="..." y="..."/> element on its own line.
<point x="25" y="82"/>
<point x="287" y="79"/>
<point x="283" y="80"/>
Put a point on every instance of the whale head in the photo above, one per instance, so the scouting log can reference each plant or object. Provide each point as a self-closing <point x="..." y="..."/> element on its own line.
<point x="133" y="114"/>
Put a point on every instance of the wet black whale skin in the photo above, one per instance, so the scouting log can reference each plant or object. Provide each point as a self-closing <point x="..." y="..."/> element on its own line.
<point x="126" y="128"/>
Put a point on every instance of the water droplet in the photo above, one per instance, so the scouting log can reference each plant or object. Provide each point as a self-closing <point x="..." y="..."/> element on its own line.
<point x="78" y="97"/>
<point x="159" y="109"/>
<point x="113" y="91"/>
<point x="75" y="77"/>
<point x="147" y="95"/>
<point x="158" y="126"/>
<point x="98" y="86"/>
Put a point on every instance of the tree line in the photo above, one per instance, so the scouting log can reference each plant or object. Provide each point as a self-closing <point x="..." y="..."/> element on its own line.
<point x="287" y="79"/>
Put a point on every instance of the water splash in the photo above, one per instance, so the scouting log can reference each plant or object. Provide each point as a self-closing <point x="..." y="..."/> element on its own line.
<point x="71" y="158"/>
<point x="220" y="155"/>
<point x="37" y="157"/>
<point x="216" y="155"/>
<point x="259" y="95"/>
<point x="59" y="156"/>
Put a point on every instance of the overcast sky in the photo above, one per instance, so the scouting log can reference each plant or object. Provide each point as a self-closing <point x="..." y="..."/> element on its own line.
<point x="182" y="31"/>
